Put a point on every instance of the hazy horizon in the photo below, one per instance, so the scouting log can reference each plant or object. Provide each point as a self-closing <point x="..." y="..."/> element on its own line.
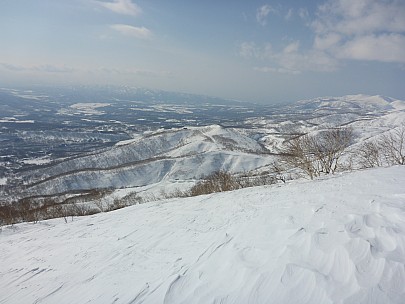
<point x="265" y="52"/>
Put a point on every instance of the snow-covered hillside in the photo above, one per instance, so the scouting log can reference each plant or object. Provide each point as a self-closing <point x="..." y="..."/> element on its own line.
<point x="181" y="155"/>
<point x="367" y="115"/>
<point x="337" y="240"/>
<point x="367" y="103"/>
<point x="188" y="153"/>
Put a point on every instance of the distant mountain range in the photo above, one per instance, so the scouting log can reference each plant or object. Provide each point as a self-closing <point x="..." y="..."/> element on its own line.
<point x="85" y="138"/>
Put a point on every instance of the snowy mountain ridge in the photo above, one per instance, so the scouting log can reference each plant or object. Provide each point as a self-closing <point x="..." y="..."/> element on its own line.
<point x="363" y="102"/>
<point x="187" y="153"/>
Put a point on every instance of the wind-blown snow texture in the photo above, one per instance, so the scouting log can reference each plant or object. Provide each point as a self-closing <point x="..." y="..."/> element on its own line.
<point x="338" y="240"/>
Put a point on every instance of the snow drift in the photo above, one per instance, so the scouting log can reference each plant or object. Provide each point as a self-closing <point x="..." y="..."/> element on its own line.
<point x="336" y="240"/>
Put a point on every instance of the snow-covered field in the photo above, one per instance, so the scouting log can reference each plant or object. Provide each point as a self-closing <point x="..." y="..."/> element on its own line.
<point x="336" y="240"/>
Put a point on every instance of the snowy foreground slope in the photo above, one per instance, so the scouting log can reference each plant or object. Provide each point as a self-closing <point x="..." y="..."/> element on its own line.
<point x="337" y="240"/>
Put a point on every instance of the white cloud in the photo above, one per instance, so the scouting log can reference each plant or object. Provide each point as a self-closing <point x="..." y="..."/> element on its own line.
<point x="292" y="47"/>
<point x="311" y="60"/>
<point x="303" y="13"/>
<point x="267" y="69"/>
<point x="289" y="14"/>
<point x="46" y="68"/>
<point x="327" y="41"/>
<point x="49" y="68"/>
<point x="136" y="72"/>
<point x="248" y="50"/>
<point x="125" y="7"/>
<point x="385" y="47"/>
<point x="361" y="30"/>
<point x="288" y="60"/>
<point x="132" y="31"/>
<point x="263" y="12"/>
<point x="361" y="16"/>
<point x="367" y="30"/>
<point x="52" y="69"/>
<point x="14" y="67"/>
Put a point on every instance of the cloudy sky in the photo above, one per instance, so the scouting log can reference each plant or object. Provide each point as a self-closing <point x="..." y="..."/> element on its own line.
<point x="262" y="51"/>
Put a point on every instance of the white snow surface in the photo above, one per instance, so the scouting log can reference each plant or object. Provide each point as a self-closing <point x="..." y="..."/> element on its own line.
<point x="334" y="240"/>
<point x="37" y="161"/>
<point x="359" y="101"/>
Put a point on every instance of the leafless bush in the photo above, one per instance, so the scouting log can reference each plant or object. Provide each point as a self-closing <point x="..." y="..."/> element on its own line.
<point x="8" y="215"/>
<point x="24" y="210"/>
<point x="174" y="194"/>
<point x="100" y="205"/>
<point x="128" y="200"/>
<point x="387" y="150"/>
<point x="117" y="204"/>
<point x="369" y="155"/>
<point x="221" y="181"/>
<point x="34" y="209"/>
<point x="278" y="171"/>
<point x="317" y="154"/>
<point x="254" y="179"/>
<point x="216" y="182"/>
<point x="392" y="145"/>
<point x="178" y="193"/>
<point x="28" y="210"/>
<point x="61" y="210"/>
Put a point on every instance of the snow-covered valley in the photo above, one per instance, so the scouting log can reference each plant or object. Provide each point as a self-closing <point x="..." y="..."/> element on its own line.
<point x="339" y="239"/>
<point x="182" y="154"/>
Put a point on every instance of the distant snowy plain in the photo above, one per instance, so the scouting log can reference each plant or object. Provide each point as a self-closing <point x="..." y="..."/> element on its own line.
<point x="339" y="239"/>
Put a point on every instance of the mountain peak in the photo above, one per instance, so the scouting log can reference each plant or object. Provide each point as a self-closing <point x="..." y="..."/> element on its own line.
<point x="352" y="102"/>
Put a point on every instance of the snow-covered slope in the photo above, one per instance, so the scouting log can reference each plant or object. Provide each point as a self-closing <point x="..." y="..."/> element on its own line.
<point x="367" y="115"/>
<point x="338" y="240"/>
<point x="357" y="102"/>
<point x="350" y="109"/>
<point x="188" y="153"/>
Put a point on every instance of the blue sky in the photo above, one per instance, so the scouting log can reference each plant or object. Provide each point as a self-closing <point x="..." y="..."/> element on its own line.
<point x="262" y="51"/>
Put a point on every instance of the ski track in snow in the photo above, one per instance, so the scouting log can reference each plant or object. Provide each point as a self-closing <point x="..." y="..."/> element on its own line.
<point x="337" y="240"/>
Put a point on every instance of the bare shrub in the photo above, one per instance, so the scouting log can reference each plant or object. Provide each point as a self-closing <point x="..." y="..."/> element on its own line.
<point x="100" y="205"/>
<point x="221" y="181"/>
<point x="252" y="179"/>
<point x="369" y="155"/>
<point x="388" y="150"/>
<point x="216" y="182"/>
<point x="60" y="210"/>
<point x="317" y="154"/>
<point x="82" y="209"/>
<point x="24" y="210"/>
<point x="278" y="172"/>
<point x="178" y="193"/>
<point x="392" y="145"/>
<point x="117" y="204"/>
<point x="8" y="215"/>
<point x="28" y="210"/>
<point x="128" y="200"/>
<point x="174" y="194"/>
<point x="297" y="154"/>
